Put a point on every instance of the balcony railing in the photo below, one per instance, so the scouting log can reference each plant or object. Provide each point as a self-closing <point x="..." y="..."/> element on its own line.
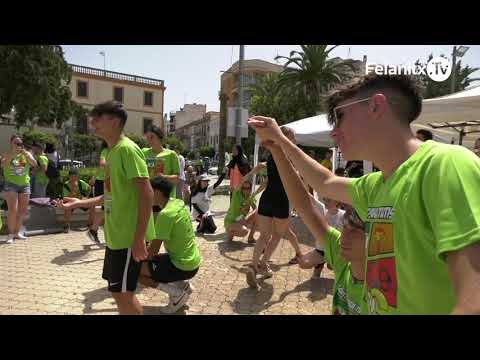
<point x="115" y="75"/>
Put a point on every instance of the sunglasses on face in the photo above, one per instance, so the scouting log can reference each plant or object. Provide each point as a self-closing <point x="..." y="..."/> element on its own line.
<point x="246" y="188"/>
<point x="337" y="116"/>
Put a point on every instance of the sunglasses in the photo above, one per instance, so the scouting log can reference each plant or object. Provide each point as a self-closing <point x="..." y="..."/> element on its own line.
<point x="246" y="188"/>
<point x="338" y="116"/>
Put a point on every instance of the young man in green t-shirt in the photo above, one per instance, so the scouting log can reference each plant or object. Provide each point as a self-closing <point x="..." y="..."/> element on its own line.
<point x="172" y="270"/>
<point x="128" y="203"/>
<point x="40" y="183"/>
<point x="422" y="210"/>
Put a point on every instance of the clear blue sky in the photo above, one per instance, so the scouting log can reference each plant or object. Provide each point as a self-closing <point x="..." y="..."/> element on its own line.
<point x="192" y="72"/>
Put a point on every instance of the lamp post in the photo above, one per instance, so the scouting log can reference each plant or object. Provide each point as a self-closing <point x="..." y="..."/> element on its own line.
<point x="457" y="52"/>
<point x="104" y="69"/>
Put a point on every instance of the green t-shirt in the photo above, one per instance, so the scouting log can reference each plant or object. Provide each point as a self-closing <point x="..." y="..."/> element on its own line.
<point x="17" y="172"/>
<point x="240" y="205"/>
<point x="124" y="163"/>
<point x="347" y="294"/>
<point x="174" y="227"/>
<point x="83" y="191"/>
<point x="165" y="162"/>
<point x="101" y="170"/>
<point x="428" y="207"/>
<point x="41" y="176"/>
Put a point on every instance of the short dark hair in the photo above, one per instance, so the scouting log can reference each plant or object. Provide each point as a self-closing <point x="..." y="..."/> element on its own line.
<point x="162" y="185"/>
<point x="73" y="172"/>
<point x="404" y="88"/>
<point x="39" y="144"/>
<point x="340" y="171"/>
<point x="426" y="134"/>
<point x="111" y="108"/>
<point x="156" y="130"/>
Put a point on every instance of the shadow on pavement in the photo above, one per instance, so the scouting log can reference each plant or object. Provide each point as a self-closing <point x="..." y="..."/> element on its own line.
<point x="154" y="310"/>
<point x="232" y="246"/>
<point x="318" y="290"/>
<point x="250" y="301"/>
<point x="98" y="296"/>
<point x="73" y="257"/>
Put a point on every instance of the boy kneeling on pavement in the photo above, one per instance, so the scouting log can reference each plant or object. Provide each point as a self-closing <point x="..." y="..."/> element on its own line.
<point x="171" y="271"/>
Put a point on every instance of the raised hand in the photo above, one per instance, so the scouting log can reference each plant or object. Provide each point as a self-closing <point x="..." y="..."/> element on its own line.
<point x="265" y="127"/>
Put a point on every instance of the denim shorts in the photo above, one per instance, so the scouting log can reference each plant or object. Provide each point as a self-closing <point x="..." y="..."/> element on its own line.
<point x="19" y="189"/>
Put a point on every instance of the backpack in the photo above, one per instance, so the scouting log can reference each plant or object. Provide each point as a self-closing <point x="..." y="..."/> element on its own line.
<point x="52" y="170"/>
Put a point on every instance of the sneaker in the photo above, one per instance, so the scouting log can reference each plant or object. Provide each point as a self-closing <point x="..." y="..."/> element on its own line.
<point x="177" y="302"/>
<point x="93" y="235"/>
<point x="10" y="239"/>
<point x="252" y="278"/>
<point x="265" y="271"/>
<point x="66" y="228"/>
<point x="20" y="236"/>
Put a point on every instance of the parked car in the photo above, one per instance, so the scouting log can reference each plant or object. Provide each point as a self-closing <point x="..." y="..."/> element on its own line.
<point x="213" y="170"/>
<point x="68" y="164"/>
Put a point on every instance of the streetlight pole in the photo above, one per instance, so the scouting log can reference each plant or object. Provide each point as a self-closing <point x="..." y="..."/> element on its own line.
<point x="457" y="52"/>
<point x="454" y="65"/>
<point x="238" y="125"/>
<point x="104" y="68"/>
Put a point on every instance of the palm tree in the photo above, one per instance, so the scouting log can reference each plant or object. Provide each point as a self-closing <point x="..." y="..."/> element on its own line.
<point x="433" y="89"/>
<point x="313" y="74"/>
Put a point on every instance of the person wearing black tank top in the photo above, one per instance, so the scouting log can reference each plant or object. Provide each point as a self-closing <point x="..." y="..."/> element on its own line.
<point x="273" y="220"/>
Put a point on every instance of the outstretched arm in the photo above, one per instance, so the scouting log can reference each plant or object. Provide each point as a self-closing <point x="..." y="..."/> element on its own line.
<point x="319" y="177"/>
<point x="255" y="170"/>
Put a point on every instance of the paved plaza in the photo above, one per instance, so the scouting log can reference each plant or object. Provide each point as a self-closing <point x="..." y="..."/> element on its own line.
<point x="61" y="274"/>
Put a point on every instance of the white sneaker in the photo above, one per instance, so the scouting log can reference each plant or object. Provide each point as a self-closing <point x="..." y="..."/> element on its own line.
<point x="20" y="236"/>
<point x="10" y="239"/>
<point x="177" y="302"/>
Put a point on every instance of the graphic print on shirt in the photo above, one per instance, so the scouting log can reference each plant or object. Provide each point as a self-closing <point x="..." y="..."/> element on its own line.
<point x="18" y="166"/>
<point x="381" y="273"/>
<point x="107" y="196"/>
<point x="156" y="167"/>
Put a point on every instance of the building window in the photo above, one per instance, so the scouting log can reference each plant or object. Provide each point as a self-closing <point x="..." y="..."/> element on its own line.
<point x="147" y="123"/>
<point x="118" y="94"/>
<point x="82" y="88"/>
<point x="148" y="98"/>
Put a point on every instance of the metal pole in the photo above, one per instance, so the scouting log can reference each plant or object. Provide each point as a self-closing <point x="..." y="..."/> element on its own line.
<point x="238" y="135"/>
<point x="454" y="65"/>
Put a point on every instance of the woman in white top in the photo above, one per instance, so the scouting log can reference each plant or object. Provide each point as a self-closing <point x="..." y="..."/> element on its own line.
<point x="201" y="200"/>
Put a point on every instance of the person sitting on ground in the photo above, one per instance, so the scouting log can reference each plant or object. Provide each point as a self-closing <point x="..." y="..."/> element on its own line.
<point x="201" y="200"/>
<point x="75" y="188"/>
<point x="424" y="135"/>
<point x="171" y="271"/>
<point x="239" y="219"/>
<point x="345" y="250"/>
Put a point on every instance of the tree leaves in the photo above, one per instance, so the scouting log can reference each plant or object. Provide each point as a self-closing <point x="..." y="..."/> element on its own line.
<point x="34" y="80"/>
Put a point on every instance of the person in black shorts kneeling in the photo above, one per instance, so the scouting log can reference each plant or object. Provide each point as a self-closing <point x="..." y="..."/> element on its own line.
<point x="171" y="271"/>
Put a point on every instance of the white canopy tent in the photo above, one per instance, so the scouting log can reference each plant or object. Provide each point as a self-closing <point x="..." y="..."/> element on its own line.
<point x="460" y="110"/>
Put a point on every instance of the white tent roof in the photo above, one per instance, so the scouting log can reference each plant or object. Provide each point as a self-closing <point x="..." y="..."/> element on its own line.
<point x="313" y="131"/>
<point x="455" y="108"/>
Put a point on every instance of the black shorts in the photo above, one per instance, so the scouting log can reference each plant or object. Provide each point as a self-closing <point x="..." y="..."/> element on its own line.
<point x="120" y="270"/>
<point x="274" y="205"/>
<point x="162" y="270"/>
<point x="156" y="209"/>
<point x="99" y="187"/>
